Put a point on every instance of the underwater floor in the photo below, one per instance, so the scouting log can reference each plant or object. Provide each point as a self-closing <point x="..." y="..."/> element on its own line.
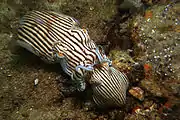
<point x="142" y="37"/>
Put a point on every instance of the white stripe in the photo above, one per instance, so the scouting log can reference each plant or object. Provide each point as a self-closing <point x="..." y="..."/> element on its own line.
<point x="40" y="40"/>
<point x="32" y="41"/>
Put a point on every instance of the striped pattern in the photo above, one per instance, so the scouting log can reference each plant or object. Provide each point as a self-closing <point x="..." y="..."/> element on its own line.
<point x="112" y="90"/>
<point x="42" y="30"/>
<point x="58" y="38"/>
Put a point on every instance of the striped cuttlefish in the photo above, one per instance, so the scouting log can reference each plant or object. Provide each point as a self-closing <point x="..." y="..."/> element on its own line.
<point x="58" y="38"/>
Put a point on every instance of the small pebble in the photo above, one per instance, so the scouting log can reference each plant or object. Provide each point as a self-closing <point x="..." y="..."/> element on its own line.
<point x="36" y="82"/>
<point x="91" y="8"/>
<point x="9" y="75"/>
<point x="137" y="92"/>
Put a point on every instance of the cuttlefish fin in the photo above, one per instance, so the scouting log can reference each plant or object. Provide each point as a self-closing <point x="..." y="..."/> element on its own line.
<point x="63" y="63"/>
<point x="27" y="46"/>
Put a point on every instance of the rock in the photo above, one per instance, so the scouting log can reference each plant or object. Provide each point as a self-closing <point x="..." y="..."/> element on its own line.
<point x="137" y="92"/>
<point x="156" y="39"/>
<point x="36" y="82"/>
<point x="9" y="75"/>
<point x="152" y="87"/>
<point x="121" y="60"/>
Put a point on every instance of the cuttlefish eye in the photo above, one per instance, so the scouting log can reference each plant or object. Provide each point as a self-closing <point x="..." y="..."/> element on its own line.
<point x="109" y="87"/>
